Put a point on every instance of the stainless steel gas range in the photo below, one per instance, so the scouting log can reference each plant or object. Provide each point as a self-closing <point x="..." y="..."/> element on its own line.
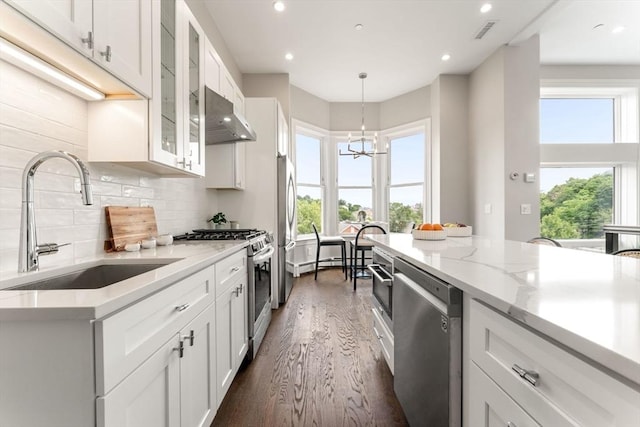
<point x="259" y="264"/>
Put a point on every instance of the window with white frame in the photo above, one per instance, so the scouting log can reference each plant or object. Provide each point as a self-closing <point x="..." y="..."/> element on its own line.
<point x="587" y="179"/>
<point x="308" y="181"/>
<point x="406" y="180"/>
<point x="355" y="188"/>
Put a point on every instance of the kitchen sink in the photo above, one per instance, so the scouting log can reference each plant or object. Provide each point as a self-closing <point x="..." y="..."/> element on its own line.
<point x="91" y="278"/>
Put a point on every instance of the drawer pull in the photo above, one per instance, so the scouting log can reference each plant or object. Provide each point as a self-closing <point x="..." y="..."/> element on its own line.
<point x="531" y="376"/>
<point x="190" y="337"/>
<point x="180" y="349"/>
<point x="510" y="424"/>
<point x="182" y="307"/>
<point x="234" y="269"/>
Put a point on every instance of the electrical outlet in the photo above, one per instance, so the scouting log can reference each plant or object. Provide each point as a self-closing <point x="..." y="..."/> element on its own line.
<point x="487" y="208"/>
<point x="525" y="209"/>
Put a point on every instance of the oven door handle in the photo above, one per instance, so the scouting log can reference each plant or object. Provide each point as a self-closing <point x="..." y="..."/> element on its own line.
<point x="263" y="255"/>
<point x="372" y="268"/>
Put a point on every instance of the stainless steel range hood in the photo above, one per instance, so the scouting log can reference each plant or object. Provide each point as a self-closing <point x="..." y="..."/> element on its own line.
<point x="222" y="123"/>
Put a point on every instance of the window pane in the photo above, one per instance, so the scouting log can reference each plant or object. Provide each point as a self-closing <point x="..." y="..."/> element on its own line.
<point x="575" y="202"/>
<point x="354" y="172"/>
<point x="308" y="159"/>
<point x="352" y="201"/>
<point x="580" y="120"/>
<point x="309" y="209"/>
<point x="407" y="159"/>
<point x="405" y="207"/>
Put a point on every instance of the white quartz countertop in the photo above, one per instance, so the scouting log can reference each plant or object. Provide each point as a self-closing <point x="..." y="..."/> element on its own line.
<point x="588" y="302"/>
<point x="187" y="258"/>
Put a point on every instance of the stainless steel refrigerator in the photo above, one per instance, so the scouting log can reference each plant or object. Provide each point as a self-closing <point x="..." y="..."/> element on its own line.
<point x="286" y="220"/>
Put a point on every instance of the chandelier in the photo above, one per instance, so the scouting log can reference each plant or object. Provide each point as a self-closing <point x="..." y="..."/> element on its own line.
<point x="362" y="151"/>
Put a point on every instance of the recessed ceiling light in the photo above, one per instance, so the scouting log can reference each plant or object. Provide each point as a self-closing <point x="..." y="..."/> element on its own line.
<point x="617" y="30"/>
<point x="446" y="57"/>
<point x="289" y="56"/>
<point x="485" y="8"/>
<point x="358" y="27"/>
<point x="278" y="6"/>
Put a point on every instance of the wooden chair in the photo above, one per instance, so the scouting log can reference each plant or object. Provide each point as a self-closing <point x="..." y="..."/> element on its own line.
<point x="631" y="253"/>
<point x="362" y="245"/>
<point x="544" y="241"/>
<point x="330" y="241"/>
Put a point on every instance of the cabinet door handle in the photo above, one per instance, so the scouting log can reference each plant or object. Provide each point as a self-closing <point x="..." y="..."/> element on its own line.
<point x="107" y="54"/>
<point x="180" y="349"/>
<point x="182" y="307"/>
<point x="530" y="376"/>
<point x="241" y="287"/>
<point x="88" y="40"/>
<point x="191" y="337"/>
<point x="185" y="164"/>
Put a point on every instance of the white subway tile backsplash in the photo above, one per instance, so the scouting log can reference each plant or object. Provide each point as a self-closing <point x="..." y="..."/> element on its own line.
<point x="139" y="192"/>
<point x="88" y="216"/>
<point x="36" y="116"/>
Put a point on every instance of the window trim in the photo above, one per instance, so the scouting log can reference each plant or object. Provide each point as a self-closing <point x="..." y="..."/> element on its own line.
<point x="623" y="155"/>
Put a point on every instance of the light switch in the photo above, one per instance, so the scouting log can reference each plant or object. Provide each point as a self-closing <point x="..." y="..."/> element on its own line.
<point x="529" y="177"/>
<point x="525" y="209"/>
<point x="487" y="208"/>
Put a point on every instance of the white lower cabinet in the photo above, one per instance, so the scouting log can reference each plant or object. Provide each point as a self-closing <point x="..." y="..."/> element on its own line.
<point x="231" y="332"/>
<point x="384" y="336"/>
<point x="553" y="386"/>
<point x="490" y="406"/>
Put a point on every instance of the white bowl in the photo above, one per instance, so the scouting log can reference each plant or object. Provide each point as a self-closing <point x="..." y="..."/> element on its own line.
<point x="148" y="243"/>
<point x="429" y="234"/>
<point x="164" y="239"/>
<point x="459" y="231"/>
<point x="132" y="247"/>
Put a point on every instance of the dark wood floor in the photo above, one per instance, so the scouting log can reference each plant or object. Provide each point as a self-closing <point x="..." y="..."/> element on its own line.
<point x="319" y="364"/>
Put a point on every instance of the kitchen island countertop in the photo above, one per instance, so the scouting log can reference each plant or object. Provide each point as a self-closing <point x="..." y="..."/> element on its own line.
<point x="187" y="258"/>
<point x="587" y="302"/>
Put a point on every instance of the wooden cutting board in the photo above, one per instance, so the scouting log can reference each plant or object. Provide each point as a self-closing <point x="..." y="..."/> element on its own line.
<point x="129" y="225"/>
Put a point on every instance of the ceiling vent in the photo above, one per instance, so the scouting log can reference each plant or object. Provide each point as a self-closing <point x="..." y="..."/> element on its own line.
<point x="485" y="29"/>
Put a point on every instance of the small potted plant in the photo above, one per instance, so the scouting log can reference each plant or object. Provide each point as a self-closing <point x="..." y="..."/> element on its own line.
<point x="218" y="219"/>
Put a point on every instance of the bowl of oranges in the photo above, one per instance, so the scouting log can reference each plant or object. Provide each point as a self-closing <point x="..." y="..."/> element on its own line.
<point x="429" y="232"/>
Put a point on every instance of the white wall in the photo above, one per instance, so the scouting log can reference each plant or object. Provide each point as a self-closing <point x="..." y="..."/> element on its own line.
<point x="347" y="116"/>
<point x="450" y="149"/>
<point x="310" y="109"/>
<point x="406" y="108"/>
<point x="36" y="116"/>
<point x="522" y="138"/>
<point x="503" y="112"/>
<point x="486" y="145"/>
<point x="269" y="85"/>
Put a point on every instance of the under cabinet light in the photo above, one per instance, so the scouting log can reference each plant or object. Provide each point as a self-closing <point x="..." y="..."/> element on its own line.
<point x="34" y="65"/>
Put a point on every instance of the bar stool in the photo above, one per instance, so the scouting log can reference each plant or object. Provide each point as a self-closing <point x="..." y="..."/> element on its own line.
<point x="330" y="241"/>
<point x="544" y="241"/>
<point x="362" y="245"/>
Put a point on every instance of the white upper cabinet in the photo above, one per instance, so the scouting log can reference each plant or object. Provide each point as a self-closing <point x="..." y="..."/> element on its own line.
<point x="212" y="68"/>
<point x="164" y="135"/>
<point x="114" y="34"/>
<point x="122" y="40"/>
<point x="193" y="97"/>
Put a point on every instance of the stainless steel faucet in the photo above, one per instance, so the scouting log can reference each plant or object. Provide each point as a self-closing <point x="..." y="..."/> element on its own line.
<point x="29" y="248"/>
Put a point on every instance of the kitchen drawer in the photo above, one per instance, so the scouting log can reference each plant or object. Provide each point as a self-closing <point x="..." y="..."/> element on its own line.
<point x="569" y="392"/>
<point x="229" y="269"/>
<point x="490" y="406"/>
<point x="385" y="337"/>
<point x="127" y="338"/>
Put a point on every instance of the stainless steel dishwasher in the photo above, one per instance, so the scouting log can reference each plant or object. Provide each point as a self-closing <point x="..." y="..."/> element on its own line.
<point x="427" y="327"/>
